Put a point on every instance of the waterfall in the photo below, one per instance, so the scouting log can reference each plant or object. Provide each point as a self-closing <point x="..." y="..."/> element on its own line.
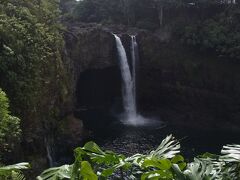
<point x="131" y="117"/>
<point x="134" y="55"/>
<point x="49" y="152"/>
<point x="128" y="84"/>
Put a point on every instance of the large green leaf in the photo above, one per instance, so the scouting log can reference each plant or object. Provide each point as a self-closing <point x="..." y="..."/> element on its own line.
<point x="179" y="160"/>
<point x="136" y="159"/>
<point x="14" y="171"/>
<point x="93" y="147"/>
<point x="107" y="172"/>
<point x="177" y="172"/>
<point x="19" y="166"/>
<point x="231" y="161"/>
<point x="199" y="170"/>
<point x="56" y="173"/>
<point x="107" y="159"/>
<point x="123" y="165"/>
<point x="163" y="164"/>
<point x="87" y="171"/>
<point x="157" y="175"/>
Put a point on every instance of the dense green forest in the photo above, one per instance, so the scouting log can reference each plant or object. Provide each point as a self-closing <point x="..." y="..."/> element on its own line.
<point x="31" y="45"/>
<point x="31" y="74"/>
<point x="10" y="127"/>
<point x="37" y="89"/>
<point x="210" y="25"/>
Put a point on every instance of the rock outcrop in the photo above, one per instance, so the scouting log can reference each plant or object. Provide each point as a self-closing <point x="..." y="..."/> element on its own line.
<point x="179" y="83"/>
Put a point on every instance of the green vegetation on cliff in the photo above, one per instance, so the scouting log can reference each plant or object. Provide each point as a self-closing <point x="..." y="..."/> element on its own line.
<point x="31" y="68"/>
<point x="132" y="12"/>
<point x="209" y="25"/>
<point x="10" y="131"/>
<point x="220" y="33"/>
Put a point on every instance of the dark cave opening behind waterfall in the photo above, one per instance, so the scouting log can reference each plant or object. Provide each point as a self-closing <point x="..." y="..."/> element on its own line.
<point x="98" y="95"/>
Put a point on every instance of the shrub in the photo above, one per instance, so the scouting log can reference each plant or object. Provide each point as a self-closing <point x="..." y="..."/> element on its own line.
<point x="10" y="131"/>
<point x="92" y="163"/>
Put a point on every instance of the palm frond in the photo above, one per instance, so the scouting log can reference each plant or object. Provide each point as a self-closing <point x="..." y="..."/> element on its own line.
<point x="6" y="171"/>
<point x="227" y="165"/>
<point x="231" y="153"/>
<point x="14" y="171"/>
<point x="231" y="158"/>
<point x="199" y="170"/>
<point x="19" y="166"/>
<point x="168" y="148"/>
<point x="57" y="173"/>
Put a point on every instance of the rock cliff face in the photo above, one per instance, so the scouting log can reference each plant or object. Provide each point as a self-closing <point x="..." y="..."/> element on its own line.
<point x="181" y="84"/>
<point x="187" y="86"/>
<point x="92" y="59"/>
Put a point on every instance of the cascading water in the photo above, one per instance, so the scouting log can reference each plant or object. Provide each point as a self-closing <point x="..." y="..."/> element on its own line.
<point x="129" y="102"/>
<point x="49" y="152"/>
<point x="134" y="54"/>
<point x="131" y="117"/>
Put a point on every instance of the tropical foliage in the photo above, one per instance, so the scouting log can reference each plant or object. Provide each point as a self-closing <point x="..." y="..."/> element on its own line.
<point x="10" y="135"/>
<point x="30" y="59"/>
<point x="130" y="12"/>
<point x="10" y="132"/>
<point x="13" y="172"/>
<point x="220" y="33"/>
<point x="133" y="11"/>
<point x="92" y="163"/>
<point x="209" y="25"/>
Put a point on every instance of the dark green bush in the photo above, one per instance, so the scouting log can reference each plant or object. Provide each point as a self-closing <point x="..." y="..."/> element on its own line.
<point x="92" y="163"/>
<point x="10" y="132"/>
<point x="220" y="33"/>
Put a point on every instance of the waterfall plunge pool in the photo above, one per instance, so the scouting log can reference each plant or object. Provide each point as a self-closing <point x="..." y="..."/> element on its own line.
<point x="111" y="134"/>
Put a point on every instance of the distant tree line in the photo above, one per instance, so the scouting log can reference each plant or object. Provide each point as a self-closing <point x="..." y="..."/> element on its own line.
<point x="131" y="12"/>
<point x="219" y="33"/>
<point x="206" y="24"/>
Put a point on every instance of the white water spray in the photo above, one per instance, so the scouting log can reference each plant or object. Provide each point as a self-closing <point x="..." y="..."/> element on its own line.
<point x="134" y="54"/>
<point x="129" y="83"/>
<point x="49" y="152"/>
<point x="129" y="103"/>
<point x="131" y="117"/>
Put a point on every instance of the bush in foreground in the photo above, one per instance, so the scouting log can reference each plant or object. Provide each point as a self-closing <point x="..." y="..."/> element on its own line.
<point x="13" y="172"/>
<point x="92" y="163"/>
